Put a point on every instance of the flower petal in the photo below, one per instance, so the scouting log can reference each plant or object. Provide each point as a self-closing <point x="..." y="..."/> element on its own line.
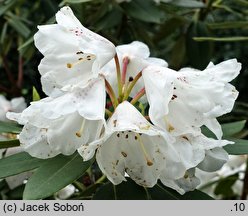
<point x="131" y="144"/>
<point x="73" y="54"/>
<point x="214" y="160"/>
<point x="197" y="97"/>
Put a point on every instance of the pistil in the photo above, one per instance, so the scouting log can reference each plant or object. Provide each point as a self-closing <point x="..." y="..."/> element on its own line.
<point x="81" y="130"/>
<point x="148" y="161"/>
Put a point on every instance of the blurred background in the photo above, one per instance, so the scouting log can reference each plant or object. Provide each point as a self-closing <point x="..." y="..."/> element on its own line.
<point x="183" y="32"/>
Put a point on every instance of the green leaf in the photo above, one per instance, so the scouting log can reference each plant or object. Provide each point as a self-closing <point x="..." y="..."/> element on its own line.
<point x="228" y="25"/>
<point x="224" y="187"/>
<point x="9" y="127"/>
<point x="18" y="163"/>
<point x="178" y="53"/>
<point x="239" y="148"/>
<point x="230" y="129"/>
<point x="188" y="3"/>
<point x="109" y="20"/>
<point x="73" y="2"/>
<point x="18" y="25"/>
<point x="221" y="39"/>
<point x="129" y="190"/>
<point x="9" y="143"/>
<point x="36" y="96"/>
<point x="199" y="54"/>
<point x="6" y="6"/>
<point x="143" y="10"/>
<point x="54" y="175"/>
<point x="170" y="26"/>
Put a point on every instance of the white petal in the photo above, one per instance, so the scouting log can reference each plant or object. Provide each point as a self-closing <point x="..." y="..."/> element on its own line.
<point x="132" y="145"/>
<point x="89" y="102"/>
<point x="72" y="53"/>
<point x="225" y="71"/>
<point x="187" y="183"/>
<point x="159" y="91"/>
<point x="215" y="127"/>
<point x="63" y="135"/>
<point x="18" y="104"/>
<point x="214" y="160"/>
<point x="90" y="41"/>
<point x="134" y="49"/>
<point x="34" y="141"/>
<point x="197" y="98"/>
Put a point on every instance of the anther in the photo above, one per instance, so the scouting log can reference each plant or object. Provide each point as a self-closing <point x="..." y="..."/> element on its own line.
<point x="80" y="132"/>
<point x="81" y="59"/>
<point x="124" y="154"/>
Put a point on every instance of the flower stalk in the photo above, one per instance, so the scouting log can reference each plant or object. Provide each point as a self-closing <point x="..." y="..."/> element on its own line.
<point x="124" y="70"/>
<point x="118" y="72"/>
<point x="111" y="94"/>
<point x="138" y="96"/>
<point x="131" y="85"/>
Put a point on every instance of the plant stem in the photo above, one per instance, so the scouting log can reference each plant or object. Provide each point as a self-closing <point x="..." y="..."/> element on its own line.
<point x="132" y="84"/>
<point x="20" y="72"/>
<point x="118" y="72"/>
<point x="111" y="94"/>
<point x="108" y="112"/>
<point x="4" y="89"/>
<point x="124" y="70"/>
<point x="101" y="179"/>
<point x="138" y="96"/>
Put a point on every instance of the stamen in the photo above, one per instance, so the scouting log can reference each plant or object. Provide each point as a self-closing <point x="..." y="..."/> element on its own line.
<point x="80" y="132"/>
<point x="148" y="161"/>
<point x="80" y="60"/>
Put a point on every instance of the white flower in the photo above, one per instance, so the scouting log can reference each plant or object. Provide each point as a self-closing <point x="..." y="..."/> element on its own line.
<point x="135" y="56"/>
<point x="131" y="144"/>
<point x="65" y="193"/>
<point x="188" y="99"/>
<point x="15" y="105"/>
<point x="60" y="125"/>
<point x="236" y="164"/>
<point x="72" y="53"/>
<point x="196" y="151"/>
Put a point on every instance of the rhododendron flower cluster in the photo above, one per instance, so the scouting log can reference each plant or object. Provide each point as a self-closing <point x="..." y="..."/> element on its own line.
<point x="95" y="104"/>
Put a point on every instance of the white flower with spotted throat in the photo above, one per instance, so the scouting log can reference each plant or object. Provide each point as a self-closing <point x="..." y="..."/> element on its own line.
<point x="61" y="125"/>
<point x="72" y="53"/>
<point x="131" y="144"/>
<point x="77" y="70"/>
<point x="188" y="99"/>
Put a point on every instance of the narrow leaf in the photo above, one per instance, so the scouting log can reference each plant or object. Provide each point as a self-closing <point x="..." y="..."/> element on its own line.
<point x="18" y="163"/>
<point x="221" y="39"/>
<point x="188" y="3"/>
<point x="143" y="10"/>
<point x="54" y="175"/>
<point x="9" y="127"/>
<point x="239" y="148"/>
<point x="232" y="128"/>
<point x="228" y="25"/>
<point x="9" y="143"/>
